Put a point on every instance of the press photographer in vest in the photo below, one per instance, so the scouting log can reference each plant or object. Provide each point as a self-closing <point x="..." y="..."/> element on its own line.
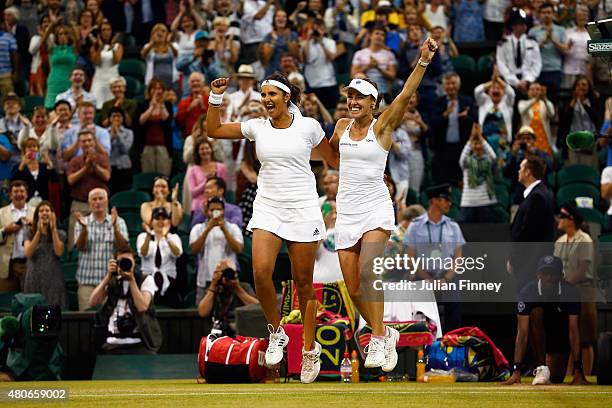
<point x="128" y="313"/>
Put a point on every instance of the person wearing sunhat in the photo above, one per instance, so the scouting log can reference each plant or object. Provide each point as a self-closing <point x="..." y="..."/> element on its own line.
<point x="575" y="248"/>
<point x="548" y="309"/>
<point x="246" y="91"/>
<point x="438" y="236"/>
<point x="12" y="123"/>
<point x="518" y="56"/>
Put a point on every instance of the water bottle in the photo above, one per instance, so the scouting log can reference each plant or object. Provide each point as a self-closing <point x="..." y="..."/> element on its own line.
<point x="420" y="366"/>
<point x="346" y="369"/>
<point x="354" y="367"/>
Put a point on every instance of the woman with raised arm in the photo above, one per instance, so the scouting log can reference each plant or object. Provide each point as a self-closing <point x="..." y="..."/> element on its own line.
<point x="365" y="211"/>
<point x="286" y="206"/>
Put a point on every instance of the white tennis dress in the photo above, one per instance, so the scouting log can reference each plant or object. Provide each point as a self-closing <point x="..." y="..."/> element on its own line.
<point x="363" y="202"/>
<point x="287" y="202"/>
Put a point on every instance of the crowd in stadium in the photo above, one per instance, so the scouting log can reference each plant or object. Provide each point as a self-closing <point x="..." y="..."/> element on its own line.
<point x="103" y="140"/>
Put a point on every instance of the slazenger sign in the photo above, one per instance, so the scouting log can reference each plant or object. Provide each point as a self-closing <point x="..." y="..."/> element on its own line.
<point x="599" y="46"/>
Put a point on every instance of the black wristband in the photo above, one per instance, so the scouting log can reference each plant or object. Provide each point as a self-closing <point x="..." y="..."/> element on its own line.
<point x="517" y="367"/>
<point x="577" y="365"/>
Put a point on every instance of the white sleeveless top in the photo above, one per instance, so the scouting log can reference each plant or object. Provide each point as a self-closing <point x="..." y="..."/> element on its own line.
<point x="285" y="178"/>
<point x="362" y="168"/>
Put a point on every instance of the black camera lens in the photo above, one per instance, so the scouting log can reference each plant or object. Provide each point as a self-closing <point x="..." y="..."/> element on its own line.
<point x="125" y="264"/>
<point x="229" y="274"/>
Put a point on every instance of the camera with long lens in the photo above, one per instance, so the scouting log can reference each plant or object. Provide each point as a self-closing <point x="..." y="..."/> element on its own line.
<point x="124" y="264"/>
<point x="228" y="274"/>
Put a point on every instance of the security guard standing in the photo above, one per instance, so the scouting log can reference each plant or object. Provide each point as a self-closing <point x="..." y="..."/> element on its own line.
<point x="433" y="235"/>
<point x="518" y="56"/>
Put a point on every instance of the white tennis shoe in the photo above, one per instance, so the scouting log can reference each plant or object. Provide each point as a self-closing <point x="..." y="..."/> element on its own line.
<point x="375" y="353"/>
<point x="278" y="341"/>
<point x="311" y="364"/>
<point x="542" y="376"/>
<point x="391" y="340"/>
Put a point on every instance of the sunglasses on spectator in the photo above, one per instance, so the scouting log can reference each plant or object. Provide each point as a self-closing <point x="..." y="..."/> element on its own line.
<point x="565" y="216"/>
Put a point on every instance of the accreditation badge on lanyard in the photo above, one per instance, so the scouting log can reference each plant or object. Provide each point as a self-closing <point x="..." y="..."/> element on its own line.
<point x="436" y="252"/>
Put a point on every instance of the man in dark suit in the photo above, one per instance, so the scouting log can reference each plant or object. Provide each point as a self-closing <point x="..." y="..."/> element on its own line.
<point x="452" y="119"/>
<point x="533" y="227"/>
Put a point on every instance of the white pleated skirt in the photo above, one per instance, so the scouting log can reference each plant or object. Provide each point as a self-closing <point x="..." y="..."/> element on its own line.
<point x="291" y="224"/>
<point x="351" y="227"/>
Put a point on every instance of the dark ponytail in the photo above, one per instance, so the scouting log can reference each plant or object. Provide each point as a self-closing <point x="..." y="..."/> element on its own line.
<point x="295" y="91"/>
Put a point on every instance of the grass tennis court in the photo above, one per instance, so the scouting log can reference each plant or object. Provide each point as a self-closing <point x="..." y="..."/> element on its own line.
<point x="186" y="393"/>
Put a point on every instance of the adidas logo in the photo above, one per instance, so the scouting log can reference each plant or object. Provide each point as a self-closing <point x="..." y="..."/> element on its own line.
<point x="316" y="232"/>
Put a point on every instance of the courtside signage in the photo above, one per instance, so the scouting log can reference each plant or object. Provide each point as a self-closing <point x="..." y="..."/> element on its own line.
<point x="599" y="47"/>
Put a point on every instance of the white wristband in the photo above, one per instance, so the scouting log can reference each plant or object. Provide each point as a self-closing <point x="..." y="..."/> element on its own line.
<point x="423" y="63"/>
<point x="215" y="99"/>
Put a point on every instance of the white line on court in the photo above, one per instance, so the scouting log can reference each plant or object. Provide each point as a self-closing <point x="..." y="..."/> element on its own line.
<point x="306" y="391"/>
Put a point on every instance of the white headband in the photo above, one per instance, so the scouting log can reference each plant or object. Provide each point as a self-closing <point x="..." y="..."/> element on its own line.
<point x="277" y="84"/>
<point x="292" y="107"/>
<point x="363" y="87"/>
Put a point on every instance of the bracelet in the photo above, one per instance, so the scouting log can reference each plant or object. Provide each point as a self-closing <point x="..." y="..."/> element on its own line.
<point x="577" y="365"/>
<point x="215" y="99"/>
<point x="423" y="63"/>
<point x="517" y="367"/>
<point x="213" y="291"/>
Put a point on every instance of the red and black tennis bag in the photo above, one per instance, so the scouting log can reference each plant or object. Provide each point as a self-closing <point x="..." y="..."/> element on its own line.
<point x="232" y="360"/>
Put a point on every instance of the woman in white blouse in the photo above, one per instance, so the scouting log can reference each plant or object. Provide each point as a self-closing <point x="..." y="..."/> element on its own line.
<point x="576" y="60"/>
<point x="159" y="249"/>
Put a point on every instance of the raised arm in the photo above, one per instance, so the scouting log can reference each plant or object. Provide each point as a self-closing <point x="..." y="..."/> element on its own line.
<point x="214" y="128"/>
<point x="392" y="117"/>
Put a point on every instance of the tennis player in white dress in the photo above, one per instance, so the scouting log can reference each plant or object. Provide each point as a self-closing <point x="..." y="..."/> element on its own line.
<point x="365" y="216"/>
<point x="286" y="206"/>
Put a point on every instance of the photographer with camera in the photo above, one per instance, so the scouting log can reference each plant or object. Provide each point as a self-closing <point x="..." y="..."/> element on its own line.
<point x="224" y="294"/>
<point x="523" y="146"/>
<point x="128" y="314"/>
<point x="319" y="53"/>
<point x="15" y="218"/>
<point x="212" y="241"/>
<point x="200" y="61"/>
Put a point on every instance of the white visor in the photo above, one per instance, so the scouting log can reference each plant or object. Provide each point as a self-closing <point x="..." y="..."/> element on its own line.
<point x="363" y="87"/>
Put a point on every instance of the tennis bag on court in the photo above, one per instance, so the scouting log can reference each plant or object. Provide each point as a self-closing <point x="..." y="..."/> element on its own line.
<point x="232" y="360"/>
<point x="470" y="350"/>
